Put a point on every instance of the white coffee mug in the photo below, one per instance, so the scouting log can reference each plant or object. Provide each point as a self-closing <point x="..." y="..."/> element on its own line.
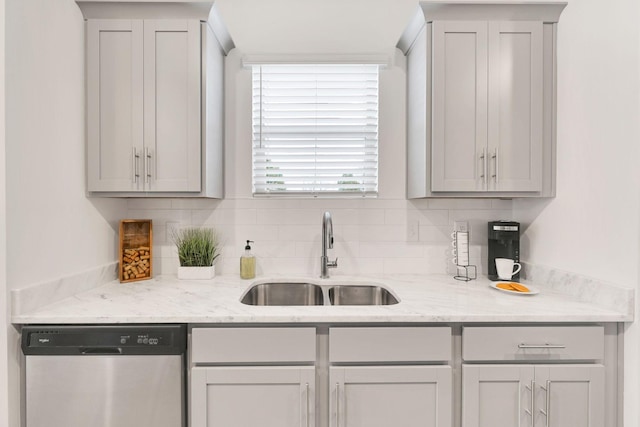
<point x="504" y="266"/>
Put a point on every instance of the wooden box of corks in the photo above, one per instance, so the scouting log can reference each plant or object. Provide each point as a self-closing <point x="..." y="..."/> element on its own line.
<point x="136" y="242"/>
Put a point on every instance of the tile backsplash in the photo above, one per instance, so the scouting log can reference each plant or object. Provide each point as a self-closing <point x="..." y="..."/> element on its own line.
<point x="371" y="236"/>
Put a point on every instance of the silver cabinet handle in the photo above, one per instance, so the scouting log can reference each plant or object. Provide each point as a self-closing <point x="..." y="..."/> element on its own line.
<point x="541" y="346"/>
<point x="147" y="165"/>
<point x="134" y="159"/>
<point x="306" y="404"/>
<point x="494" y="156"/>
<point x="497" y="161"/>
<point x="337" y="404"/>
<point x="547" y="403"/>
<point x="483" y="158"/>
<point x="532" y="389"/>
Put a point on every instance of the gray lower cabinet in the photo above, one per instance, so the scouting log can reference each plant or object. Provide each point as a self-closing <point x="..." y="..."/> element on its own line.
<point x="383" y="396"/>
<point x="404" y="376"/>
<point x="528" y="395"/>
<point x="390" y="376"/>
<point x="274" y="396"/>
<point x="552" y="376"/>
<point x="245" y="376"/>
<point x="321" y="376"/>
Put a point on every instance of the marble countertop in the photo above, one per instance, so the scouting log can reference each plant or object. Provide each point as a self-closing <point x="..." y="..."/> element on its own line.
<point x="427" y="299"/>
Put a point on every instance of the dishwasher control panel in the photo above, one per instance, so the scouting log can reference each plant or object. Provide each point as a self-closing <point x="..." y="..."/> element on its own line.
<point x="146" y="339"/>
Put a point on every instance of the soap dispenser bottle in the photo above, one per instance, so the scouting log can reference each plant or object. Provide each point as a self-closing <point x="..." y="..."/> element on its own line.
<point x="248" y="263"/>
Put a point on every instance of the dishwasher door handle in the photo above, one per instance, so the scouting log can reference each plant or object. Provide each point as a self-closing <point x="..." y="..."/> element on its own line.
<point x="100" y="350"/>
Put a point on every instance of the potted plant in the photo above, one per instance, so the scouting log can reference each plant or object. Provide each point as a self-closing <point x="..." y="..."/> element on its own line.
<point x="197" y="248"/>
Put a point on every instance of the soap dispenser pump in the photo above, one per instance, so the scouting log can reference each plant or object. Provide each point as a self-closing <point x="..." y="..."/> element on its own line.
<point x="248" y="263"/>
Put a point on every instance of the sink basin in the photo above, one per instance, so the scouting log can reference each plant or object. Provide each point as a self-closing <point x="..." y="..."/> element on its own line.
<point x="361" y="295"/>
<point x="278" y="293"/>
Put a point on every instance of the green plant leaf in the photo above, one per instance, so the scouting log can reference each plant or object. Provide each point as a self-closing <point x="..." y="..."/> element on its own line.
<point x="197" y="247"/>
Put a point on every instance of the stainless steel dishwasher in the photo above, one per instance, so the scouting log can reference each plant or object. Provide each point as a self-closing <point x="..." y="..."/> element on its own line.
<point x="105" y="376"/>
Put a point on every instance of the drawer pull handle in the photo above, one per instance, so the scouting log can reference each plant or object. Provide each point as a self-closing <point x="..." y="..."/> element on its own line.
<point x="541" y="346"/>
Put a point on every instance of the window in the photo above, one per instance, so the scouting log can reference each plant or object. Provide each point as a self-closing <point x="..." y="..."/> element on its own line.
<point x="315" y="129"/>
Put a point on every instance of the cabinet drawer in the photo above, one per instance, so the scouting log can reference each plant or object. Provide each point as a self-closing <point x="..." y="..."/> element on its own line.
<point x="253" y="345"/>
<point x="390" y="344"/>
<point x="536" y="343"/>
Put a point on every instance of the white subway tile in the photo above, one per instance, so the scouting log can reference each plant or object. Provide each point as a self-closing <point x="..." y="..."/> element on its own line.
<point x="160" y="234"/>
<point x="343" y="250"/>
<point x="435" y="234"/>
<point x="165" y="266"/>
<point x="358" y="266"/>
<point x="228" y="265"/>
<point x="291" y="266"/>
<point x="422" y="216"/>
<point x="371" y="236"/>
<point x="267" y="203"/>
<point x="224" y="217"/>
<point x="289" y="216"/>
<point x="346" y="233"/>
<point x="385" y="204"/>
<point x="406" y="266"/>
<point x="275" y="249"/>
<point x="399" y="216"/>
<point x="165" y="250"/>
<point x="382" y="233"/>
<point x="298" y="233"/>
<point x="308" y="249"/>
<point x="238" y="234"/>
<point x="330" y="204"/>
<point x="357" y="216"/>
<point x="390" y="250"/>
<point x="208" y="204"/>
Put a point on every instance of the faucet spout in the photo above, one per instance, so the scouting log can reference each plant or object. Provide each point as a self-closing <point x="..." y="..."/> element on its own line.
<point x="327" y="243"/>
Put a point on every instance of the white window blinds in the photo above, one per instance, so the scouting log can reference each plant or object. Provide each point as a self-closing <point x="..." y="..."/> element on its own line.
<point x="315" y="129"/>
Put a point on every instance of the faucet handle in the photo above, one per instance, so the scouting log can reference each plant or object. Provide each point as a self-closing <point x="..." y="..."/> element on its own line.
<point x="332" y="264"/>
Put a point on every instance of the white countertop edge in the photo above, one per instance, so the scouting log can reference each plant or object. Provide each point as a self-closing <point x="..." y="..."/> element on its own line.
<point x="424" y="299"/>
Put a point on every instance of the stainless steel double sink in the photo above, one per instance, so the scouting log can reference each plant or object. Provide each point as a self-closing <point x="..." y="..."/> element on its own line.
<point x="304" y="293"/>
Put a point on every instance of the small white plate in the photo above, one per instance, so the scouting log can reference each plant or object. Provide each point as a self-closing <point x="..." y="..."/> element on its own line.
<point x="532" y="290"/>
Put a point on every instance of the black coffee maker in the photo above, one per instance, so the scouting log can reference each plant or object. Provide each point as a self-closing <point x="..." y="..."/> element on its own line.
<point x="504" y="242"/>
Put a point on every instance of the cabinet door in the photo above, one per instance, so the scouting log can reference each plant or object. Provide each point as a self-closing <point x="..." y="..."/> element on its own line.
<point x="399" y="396"/>
<point x="459" y="106"/>
<point x="497" y="395"/>
<point x="114" y="104"/>
<point x="172" y="82"/>
<point x="515" y="106"/>
<point x="252" y="396"/>
<point x="570" y="396"/>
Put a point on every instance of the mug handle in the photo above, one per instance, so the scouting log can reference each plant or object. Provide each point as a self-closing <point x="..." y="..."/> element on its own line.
<point x="518" y="269"/>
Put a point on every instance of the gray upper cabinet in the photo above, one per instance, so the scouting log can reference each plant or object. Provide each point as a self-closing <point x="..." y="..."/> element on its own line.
<point x="481" y="100"/>
<point x="155" y="109"/>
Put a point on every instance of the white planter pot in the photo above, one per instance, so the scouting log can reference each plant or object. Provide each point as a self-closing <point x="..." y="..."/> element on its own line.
<point x="196" y="273"/>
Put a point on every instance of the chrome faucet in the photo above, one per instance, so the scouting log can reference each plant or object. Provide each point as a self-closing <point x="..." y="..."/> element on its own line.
<point x="327" y="242"/>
